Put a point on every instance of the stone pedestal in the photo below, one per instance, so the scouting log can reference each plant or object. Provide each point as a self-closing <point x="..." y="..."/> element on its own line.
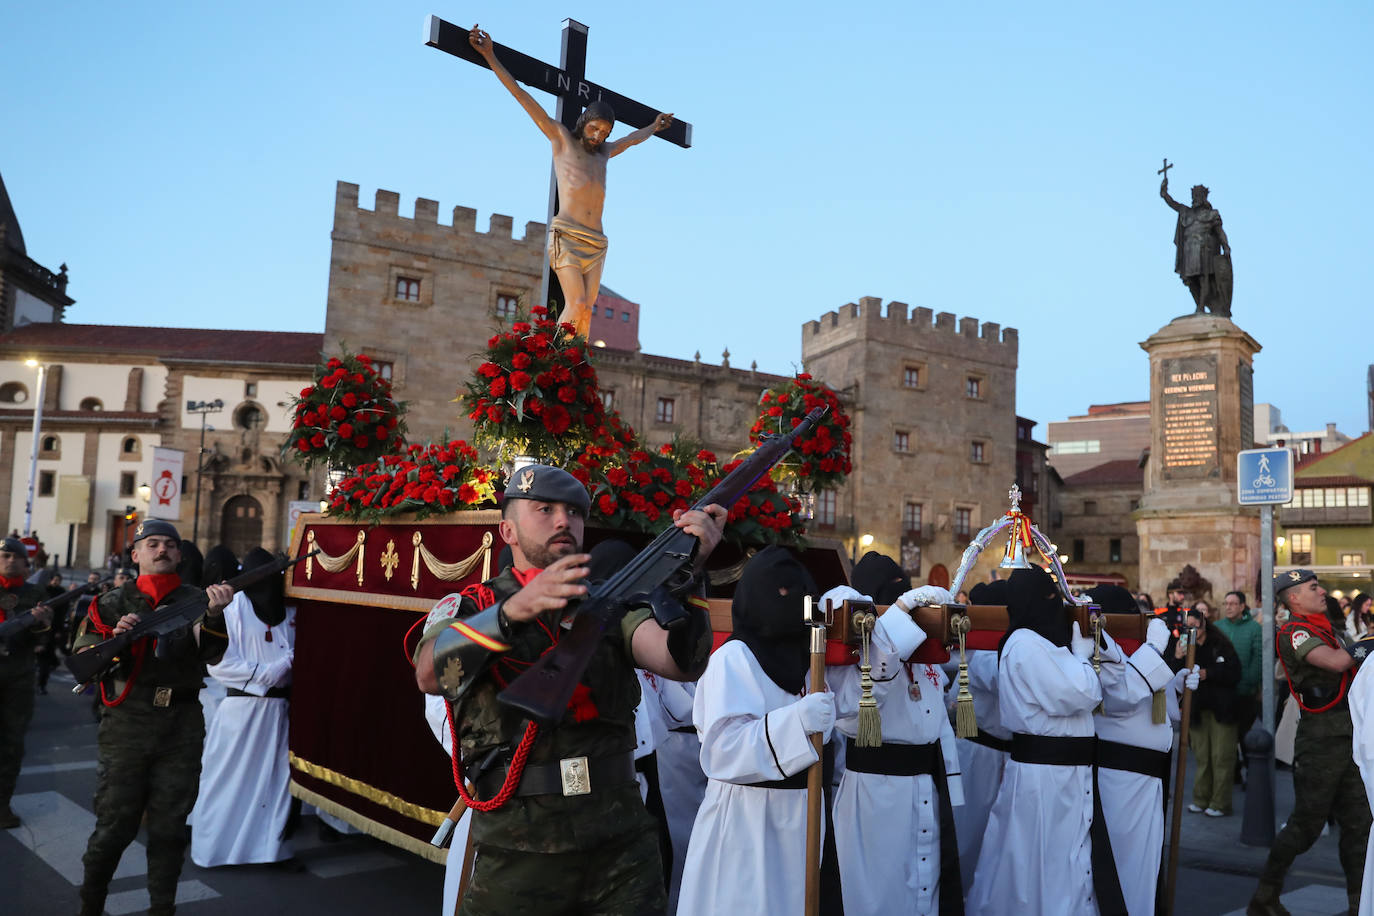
<point x="1201" y="415"/>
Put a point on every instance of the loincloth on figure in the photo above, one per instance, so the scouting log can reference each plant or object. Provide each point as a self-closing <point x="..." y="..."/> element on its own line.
<point x="572" y="244"/>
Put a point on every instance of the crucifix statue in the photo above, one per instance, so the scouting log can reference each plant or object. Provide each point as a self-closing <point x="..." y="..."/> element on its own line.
<point x="581" y="148"/>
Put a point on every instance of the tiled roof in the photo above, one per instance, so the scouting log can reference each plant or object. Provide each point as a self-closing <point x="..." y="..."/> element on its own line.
<point x="1121" y="471"/>
<point x="211" y="344"/>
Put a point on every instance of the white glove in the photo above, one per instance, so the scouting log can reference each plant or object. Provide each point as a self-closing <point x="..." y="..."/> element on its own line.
<point x="817" y="713"/>
<point x="926" y="594"/>
<point x="833" y="599"/>
<point x="1081" y="646"/>
<point x="1157" y="635"/>
<point x="1192" y="678"/>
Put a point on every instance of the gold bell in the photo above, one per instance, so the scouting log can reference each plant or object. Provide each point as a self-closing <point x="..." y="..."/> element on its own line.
<point x="1015" y="555"/>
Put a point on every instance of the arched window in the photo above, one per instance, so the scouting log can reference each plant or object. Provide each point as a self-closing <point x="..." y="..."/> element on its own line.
<point x="13" y="393"/>
<point x="50" y="446"/>
<point x="90" y="404"/>
<point x="250" y="416"/>
<point x="130" y="446"/>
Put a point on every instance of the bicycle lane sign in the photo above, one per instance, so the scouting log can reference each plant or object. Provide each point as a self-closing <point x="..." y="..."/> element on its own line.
<point x="1264" y="476"/>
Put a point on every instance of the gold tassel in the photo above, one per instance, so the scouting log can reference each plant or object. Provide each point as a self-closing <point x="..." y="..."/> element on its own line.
<point x="870" y="729"/>
<point x="1159" y="709"/>
<point x="965" y="721"/>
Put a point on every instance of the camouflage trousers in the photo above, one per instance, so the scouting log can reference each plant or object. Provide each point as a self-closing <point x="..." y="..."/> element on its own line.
<point x="624" y="878"/>
<point x="1326" y="783"/>
<point x="16" y="711"/>
<point x="149" y="763"/>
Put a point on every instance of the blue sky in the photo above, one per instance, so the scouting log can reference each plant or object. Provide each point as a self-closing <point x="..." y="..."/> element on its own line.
<point x="995" y="160"/>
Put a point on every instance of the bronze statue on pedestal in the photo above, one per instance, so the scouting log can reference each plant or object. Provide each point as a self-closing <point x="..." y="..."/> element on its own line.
<point x="1203" y="259"/>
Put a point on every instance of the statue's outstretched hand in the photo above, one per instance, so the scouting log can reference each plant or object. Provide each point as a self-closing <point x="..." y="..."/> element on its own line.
<point x="1164" y="186"/>
<point x="481" y="41"/>
<point x="663" y="121"/>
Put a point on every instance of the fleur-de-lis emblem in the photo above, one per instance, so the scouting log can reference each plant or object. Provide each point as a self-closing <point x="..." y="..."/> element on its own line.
<point x="526" y="481"/>
<point x="1295" y="575"/>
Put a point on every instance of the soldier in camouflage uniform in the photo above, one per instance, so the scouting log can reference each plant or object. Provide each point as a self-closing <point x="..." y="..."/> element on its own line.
<point x="1326" y="780"/>
<point x="570" y="833"/>
<point x="152" y="727"/>
<point x="16" y="668"/>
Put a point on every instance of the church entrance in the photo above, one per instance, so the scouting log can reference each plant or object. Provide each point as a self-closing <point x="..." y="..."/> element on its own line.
<point x="241" y="524"/>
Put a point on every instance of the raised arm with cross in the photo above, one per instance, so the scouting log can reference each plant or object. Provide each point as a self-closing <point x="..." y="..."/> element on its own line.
<point x="581" y="148"/>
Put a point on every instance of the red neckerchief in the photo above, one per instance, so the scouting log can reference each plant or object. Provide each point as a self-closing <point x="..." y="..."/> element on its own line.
<point x="11" y="583"/>
<point x="582" y="706"/>
<point x="156" y="586"/>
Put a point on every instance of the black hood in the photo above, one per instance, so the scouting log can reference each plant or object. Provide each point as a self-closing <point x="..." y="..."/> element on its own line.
<point x="267" y="596"/>
<point x="220" y="565"/>
<point x="191" y="563"/>
<point x="879" y="577"/>
<point x="770" y="623"/>
<point x="1034" y="603"/>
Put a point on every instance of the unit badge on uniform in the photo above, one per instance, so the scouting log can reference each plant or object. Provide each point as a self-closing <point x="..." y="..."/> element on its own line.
<point x="1300" y="637"/>
<point x="452" y="678"/>
<point x="526" y="481"/>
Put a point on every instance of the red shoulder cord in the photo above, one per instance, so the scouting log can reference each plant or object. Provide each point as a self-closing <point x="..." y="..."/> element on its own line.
<point x="513" y="774"/>
<point x="1346" y="675"/>
<point x="137" y="650"/>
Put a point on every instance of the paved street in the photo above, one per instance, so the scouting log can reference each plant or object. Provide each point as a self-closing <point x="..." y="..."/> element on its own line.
<point x="42" y="859"/>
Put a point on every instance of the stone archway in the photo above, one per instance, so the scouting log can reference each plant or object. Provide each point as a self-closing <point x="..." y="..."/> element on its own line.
<point x="241" y="524"/>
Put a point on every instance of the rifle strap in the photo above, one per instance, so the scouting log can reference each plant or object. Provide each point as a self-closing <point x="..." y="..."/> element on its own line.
<point x="513" y="772"/>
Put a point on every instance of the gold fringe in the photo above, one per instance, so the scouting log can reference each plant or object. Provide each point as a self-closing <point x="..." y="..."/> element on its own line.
<point x="336" y="564"/>
<point x="1159" y="708"/>
<point x="371" y="793"/>
<point x="870" y="728"/>
<point x="448" y="572"/>
<point x="965" y="720"/>
<point x="369" y="826"/>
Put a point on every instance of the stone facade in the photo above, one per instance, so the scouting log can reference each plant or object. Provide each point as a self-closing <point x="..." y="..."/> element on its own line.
<point x="28" y="291"/>
<point x="934" y="406"/>
<point x="1096" y="530"/>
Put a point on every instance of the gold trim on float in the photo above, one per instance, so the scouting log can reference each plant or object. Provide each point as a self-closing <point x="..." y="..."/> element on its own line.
<point x="369" y="826"/>
<point x="371" y="793"/>
<point x="448" y="572"/>
<point x="336" y="564"/>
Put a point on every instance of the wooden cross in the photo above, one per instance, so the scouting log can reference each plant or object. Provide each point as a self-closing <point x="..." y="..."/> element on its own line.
<point x="566" y="82"/>
<point x="1165" y="171"/>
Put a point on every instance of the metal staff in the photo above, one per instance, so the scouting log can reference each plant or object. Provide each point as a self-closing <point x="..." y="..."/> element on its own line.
<point x="814" y="775"/>
<point x="1180" y="769"/>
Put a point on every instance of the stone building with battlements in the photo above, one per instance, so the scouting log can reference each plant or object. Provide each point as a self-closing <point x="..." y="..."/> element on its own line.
<point x="933" y="400"/>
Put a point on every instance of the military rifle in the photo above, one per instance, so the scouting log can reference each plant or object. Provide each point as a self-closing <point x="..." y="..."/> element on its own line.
<point x="15" y="625"/>
<point x="544" y="689"/>
<point x="91" y="664"/>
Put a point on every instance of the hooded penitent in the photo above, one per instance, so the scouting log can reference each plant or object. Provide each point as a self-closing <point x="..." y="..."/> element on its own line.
<point x="1113" y="599"/>
<point x="268" y="595"/>
<point x="992" y="593"/>
<point x="608" y="558"/>
<point x="192" y="563"/>
<point x="878" y="576"/>
<point x="767" y="615"/>
<point x="1034" y="603"/>
<point x="220" y="565"/>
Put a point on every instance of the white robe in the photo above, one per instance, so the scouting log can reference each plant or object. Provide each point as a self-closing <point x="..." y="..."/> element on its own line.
<point x="244" y="799"/>
<point x="887" y="828"/>
<point x="748" y="848"/>
<point x="1037" y="857"/>
<point x="981" y="766"/>
<point x="436" y="716"/>
<point x="1362" y="715"/>
<point x="1132" y="804"/>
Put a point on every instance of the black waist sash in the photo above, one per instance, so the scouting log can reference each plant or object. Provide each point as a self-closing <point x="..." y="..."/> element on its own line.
<point x="1057" y="751"/>
<point x="1116" y="756"/>
<point x="988" y="739"/>
<point x="919" y="760"/>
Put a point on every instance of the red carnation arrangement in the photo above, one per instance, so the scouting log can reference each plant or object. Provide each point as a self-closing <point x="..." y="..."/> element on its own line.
<point x="347" y="417"/>
<point x="535" y="393"/>
<point x="424" y="479"/>
<point x="819" y="460"/>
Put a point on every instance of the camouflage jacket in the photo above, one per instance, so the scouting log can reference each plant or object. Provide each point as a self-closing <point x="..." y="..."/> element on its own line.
<point x="551" y="823"/>
<point x="180" y="665"/>
<point x="1293" y="641"/>
<point x="20" y="648"/>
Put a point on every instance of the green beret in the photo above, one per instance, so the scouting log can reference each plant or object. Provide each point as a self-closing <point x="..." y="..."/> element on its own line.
<point x="548" y="485"/>
<point x="156" y="526"/>
<point x="1286" y="580"/>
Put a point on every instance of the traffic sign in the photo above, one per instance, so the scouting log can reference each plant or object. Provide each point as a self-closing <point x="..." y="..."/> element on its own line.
<point x="1264" y="476"/>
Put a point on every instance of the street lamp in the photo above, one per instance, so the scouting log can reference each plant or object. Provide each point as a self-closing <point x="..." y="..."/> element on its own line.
<point x="203" y="408"/>
<point x="37" y="430"/>
<point x="863" y="543"/>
